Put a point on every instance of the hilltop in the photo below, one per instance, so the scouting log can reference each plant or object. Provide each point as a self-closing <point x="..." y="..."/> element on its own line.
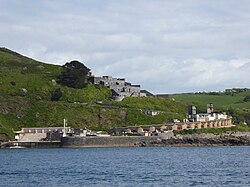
<point x="27" y="85"/>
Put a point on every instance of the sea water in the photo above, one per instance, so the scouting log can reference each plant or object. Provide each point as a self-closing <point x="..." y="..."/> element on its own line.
<point x="134" y="166"/>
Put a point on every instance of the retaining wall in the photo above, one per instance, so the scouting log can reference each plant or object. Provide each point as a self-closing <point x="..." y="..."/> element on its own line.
<point x="115" y="141"/>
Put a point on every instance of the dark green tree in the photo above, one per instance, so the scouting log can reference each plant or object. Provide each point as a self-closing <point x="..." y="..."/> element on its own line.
<point x="75" y="75"/>
<point x="56" y="95"/>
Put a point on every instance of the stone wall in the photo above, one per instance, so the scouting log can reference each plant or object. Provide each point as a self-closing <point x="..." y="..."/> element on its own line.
<point x="115" y="141"/>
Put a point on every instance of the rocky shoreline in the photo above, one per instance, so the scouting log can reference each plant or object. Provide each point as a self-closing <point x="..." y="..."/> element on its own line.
<point x="225" y="139"/>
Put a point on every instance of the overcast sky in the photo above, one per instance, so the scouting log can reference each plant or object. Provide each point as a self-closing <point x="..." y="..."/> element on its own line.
<point x="166" y="46"/>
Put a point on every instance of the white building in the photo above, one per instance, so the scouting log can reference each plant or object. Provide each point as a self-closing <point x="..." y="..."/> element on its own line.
<point x="152" y="112"/>
<point x="37" y="134"/>
<point x="210" y="117"/>
<point x="203" y="117"/>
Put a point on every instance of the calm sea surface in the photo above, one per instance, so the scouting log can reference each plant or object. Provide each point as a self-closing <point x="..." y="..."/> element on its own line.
<point x="140" y="166"/>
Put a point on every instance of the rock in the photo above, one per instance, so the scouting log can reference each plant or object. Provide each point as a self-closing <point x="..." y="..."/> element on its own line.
<point x="233" y="139"/>
<point x="40" y="67"/>
<point x="38" y="98"/>
<point x="4" y="110"/>
<point x="52" y="82"/>
<point x="24" y="90"/>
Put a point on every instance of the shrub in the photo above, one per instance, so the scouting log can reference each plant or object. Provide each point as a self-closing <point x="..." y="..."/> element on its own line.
<point x="56" y="95"/>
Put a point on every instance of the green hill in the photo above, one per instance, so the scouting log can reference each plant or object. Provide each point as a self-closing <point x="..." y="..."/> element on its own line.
<point x="233" y="103"/>
<point x="26" y="87"/>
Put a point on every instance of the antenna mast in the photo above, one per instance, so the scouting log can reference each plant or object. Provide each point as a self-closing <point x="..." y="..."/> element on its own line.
<point x="64" y="127"/>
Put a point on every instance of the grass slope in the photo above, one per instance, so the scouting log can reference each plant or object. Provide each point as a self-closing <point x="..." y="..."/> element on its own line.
<point x="26" y="86"/>
<point x="223" y="102"/>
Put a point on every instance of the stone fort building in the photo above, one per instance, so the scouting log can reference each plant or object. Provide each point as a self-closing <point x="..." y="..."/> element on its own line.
<point x="119" y="87"/>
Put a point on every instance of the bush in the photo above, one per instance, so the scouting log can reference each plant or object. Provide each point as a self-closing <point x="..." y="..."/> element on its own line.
<point x="56" y="95"/>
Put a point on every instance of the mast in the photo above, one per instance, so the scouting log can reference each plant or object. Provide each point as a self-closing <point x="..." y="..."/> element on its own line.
<point x="64" y="127"/>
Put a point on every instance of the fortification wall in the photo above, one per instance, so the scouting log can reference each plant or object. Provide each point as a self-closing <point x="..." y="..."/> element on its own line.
<point x="116" y="141"/>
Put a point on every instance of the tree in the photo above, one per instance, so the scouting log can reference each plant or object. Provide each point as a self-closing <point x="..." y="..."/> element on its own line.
<point x="56" y="95"/>
<point x="75" y="75"/>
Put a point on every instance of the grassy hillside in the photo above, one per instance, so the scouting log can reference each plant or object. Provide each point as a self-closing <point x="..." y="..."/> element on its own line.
<point x="26" y="87"/>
